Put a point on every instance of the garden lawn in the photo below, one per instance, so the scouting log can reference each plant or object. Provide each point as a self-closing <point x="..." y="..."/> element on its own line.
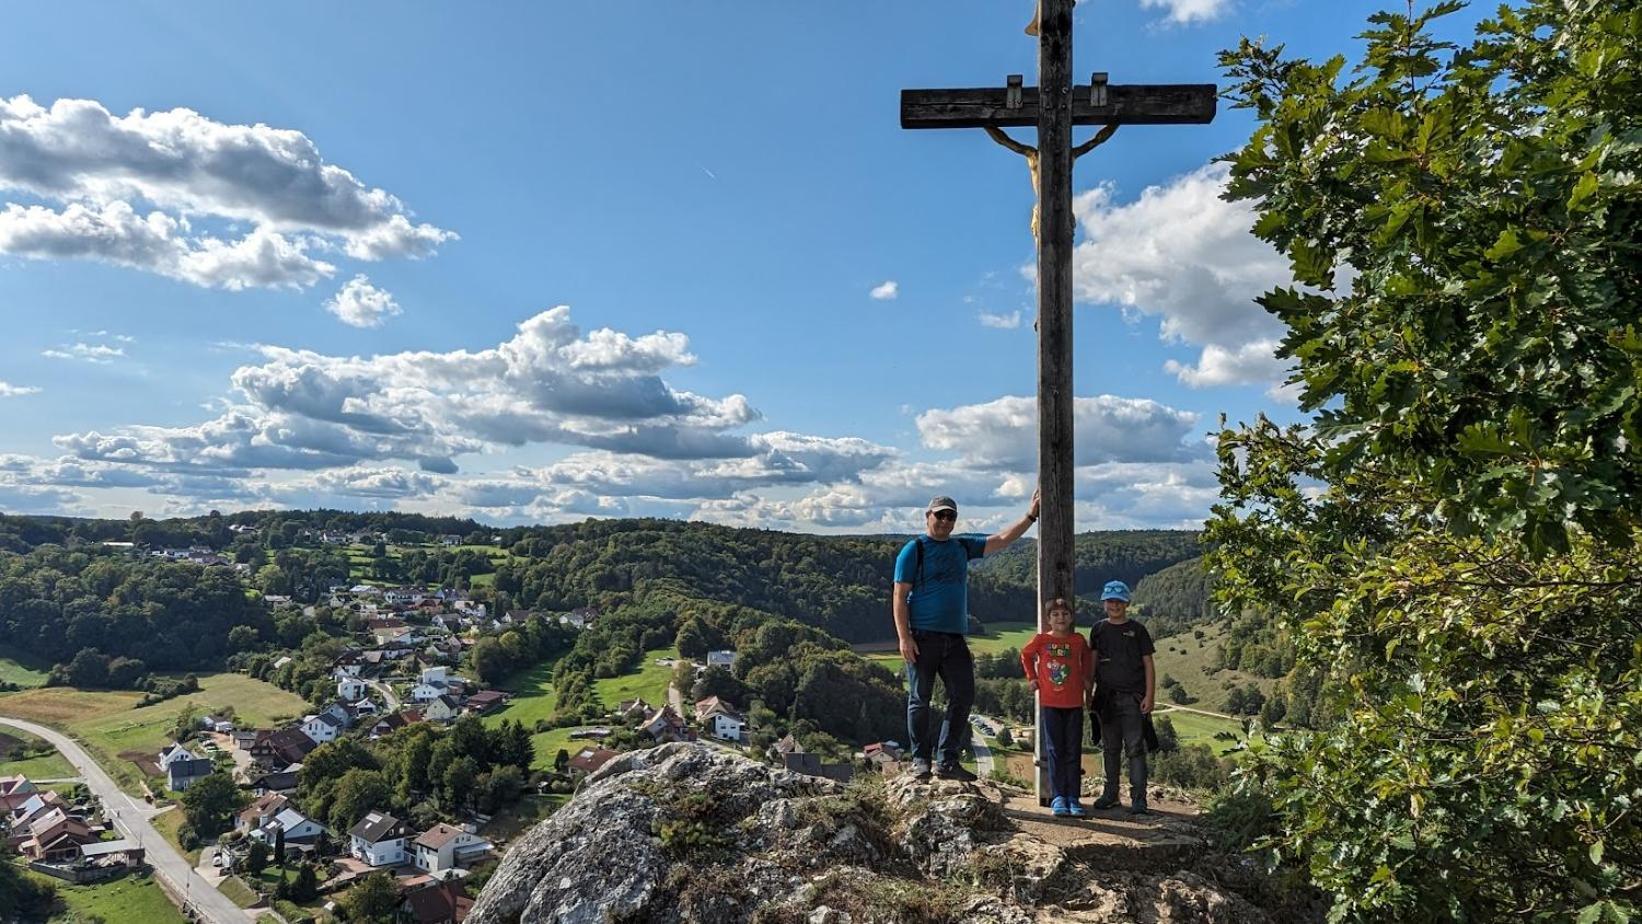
<point x="238" y="892"/>
<point x="131" y="899"/>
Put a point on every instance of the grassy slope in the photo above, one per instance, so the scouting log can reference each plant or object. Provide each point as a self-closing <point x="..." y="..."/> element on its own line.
<point x="1190" y="660"/>
<point x="21" y="668"/>
<point x="52" y="766"/>
<point x="110" y="723"/>
<point x="533" y="699"/>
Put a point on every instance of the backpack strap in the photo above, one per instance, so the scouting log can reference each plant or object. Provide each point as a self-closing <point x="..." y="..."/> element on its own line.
<point x="920" y="580"/>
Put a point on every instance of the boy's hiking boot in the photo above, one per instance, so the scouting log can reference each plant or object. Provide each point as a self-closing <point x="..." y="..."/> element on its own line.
<point x="955" y="772"/>
<point x="1106" y="802"/>
<point x="1139" y="808"/>
<point x="920" y="768"/>
<point x="1058" y="807"/>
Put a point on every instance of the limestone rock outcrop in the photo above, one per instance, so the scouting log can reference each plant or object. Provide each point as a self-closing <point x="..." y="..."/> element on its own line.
<point x="693" y="833"/>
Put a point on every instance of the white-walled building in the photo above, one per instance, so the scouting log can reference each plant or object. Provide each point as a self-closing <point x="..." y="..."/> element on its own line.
<point x="444" y="847"/>
<point x="378" y="840"/>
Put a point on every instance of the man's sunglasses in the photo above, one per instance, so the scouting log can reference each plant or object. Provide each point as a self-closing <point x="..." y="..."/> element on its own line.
<point x="946" y="515"/>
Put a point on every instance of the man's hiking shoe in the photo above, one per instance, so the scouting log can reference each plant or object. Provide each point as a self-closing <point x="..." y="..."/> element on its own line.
<point x="1075" y="809"/>
<point x="1106" y="802"/>
<point x="1058" y="807"/>
<point x="956" y="772"/>
<point x="920" y="768"/>
<point x="1139" y="809"/>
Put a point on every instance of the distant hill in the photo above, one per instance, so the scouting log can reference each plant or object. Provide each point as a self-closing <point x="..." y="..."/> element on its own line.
<point x="836" y="583"/>
<point x="1174" y="599"/>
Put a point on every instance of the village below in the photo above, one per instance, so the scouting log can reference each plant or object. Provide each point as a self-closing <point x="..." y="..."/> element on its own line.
<point x="389" y="702"/>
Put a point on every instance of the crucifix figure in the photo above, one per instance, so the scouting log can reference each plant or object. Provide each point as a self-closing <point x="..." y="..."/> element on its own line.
<point x="1053" y="107"/>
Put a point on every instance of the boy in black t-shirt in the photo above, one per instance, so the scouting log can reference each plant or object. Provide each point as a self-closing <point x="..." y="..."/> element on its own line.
<point x="1125" y="683"/>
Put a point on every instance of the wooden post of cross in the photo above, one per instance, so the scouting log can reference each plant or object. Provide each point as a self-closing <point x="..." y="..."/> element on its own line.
<point x="1053" y="107"/>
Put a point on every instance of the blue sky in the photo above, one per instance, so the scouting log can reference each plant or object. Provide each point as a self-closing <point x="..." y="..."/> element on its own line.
<point x="535" y="262"/>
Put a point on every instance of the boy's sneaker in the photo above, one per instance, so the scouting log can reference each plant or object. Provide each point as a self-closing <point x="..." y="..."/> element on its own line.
<point x="920" y="768"/>
<point x="1076" y="809"/>
<point x="955" y="772"/>
<point x="1058" y="807"/>
<point x="1106" y="802"/>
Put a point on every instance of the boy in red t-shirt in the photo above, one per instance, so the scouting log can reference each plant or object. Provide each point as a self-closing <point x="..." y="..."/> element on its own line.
<point x="1059" y="665"/>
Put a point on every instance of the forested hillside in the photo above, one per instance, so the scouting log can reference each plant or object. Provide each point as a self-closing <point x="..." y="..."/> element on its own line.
<point x="1175" y="598"/>
<point x="62" y="590"/>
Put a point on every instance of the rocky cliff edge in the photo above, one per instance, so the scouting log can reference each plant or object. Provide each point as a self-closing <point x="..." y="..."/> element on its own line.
<point x="693" y="833"/>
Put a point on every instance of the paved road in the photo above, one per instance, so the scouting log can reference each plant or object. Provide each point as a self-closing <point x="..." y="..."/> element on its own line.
<point x="132" y="816"/>
<point x="386" y="691"/>
<point x="983" y="757"/>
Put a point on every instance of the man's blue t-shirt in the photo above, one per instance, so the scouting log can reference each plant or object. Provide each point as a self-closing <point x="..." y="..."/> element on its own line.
<point x="939" y="601"/>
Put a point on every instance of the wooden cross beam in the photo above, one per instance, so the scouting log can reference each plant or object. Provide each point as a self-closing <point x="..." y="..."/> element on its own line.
<point x="1054" y="106"/>
<point x="1094" y="103"/>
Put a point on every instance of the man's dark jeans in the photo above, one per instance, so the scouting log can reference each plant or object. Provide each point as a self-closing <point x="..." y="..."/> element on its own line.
<point x="944" y="655"/>
<point x="1063" y="750"/>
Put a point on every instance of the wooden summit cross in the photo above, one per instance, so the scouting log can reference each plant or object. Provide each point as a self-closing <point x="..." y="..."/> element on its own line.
<point x="1054" y="106"/>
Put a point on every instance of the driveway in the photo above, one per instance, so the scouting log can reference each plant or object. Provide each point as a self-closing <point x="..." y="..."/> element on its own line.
<point x="132" y="816"/>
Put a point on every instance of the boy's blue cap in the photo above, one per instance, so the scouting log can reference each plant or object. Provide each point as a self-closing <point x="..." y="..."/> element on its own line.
<point x="1115" y="590"/>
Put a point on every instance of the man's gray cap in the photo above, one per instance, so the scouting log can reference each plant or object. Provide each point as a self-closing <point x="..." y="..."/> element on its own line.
<point x="941" y="502"/>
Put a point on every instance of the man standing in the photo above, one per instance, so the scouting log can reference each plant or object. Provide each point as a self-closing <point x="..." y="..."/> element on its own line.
<point x="1125" y="682"/>
<point x="931" y="605"/>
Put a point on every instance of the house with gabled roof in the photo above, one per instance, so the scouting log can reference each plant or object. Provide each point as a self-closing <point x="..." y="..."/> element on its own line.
<point x="265" y="809"/>
<point x="14" y="791"/>
<point x="322" y="727"/>
<point x="665" y="725"/>
<point x="589" y="760"/>
<point x="378" y="840"/>
<point x="443" y="847"/>
<point x="444" y="709"/>
<point x="184" y="772"/>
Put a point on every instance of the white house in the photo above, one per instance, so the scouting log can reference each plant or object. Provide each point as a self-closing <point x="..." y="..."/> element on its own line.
<point x="173" y="752"/>
<point x="298" y="828"/>
<point x="444" y="709"/>
<point x="724" y="658"/>
<point x="350" y="689"/>
<point x="727" y="726"/>
<point x="427" y="692"/>
<point x="378" y="840"/>
<point x="444" y="847"/>
<point x="322" y="728"/>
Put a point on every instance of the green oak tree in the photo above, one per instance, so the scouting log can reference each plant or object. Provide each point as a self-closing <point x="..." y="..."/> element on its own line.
<point x="1451" y="540"/>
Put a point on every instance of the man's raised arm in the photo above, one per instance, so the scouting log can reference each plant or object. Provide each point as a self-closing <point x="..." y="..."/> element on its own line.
<point x="997" y="542"/>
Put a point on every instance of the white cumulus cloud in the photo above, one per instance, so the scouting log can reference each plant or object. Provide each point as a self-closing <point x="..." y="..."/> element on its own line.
<point x="8" y="390"/>
<point x="186" y="169"/>
<point x="1184" y="254"/>
<point x="361" y="304"/>
<point x="1002" y="434"/>
<point x="1009" y="321"/>
<point x="1185" y="12"/>
<point x="886" y="290"/>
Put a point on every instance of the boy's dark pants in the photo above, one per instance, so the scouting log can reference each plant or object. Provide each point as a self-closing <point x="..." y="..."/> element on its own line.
<point x="1063" y="750"/>
<point x="944" y="655"/>
<point x="1121" y="729"/>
